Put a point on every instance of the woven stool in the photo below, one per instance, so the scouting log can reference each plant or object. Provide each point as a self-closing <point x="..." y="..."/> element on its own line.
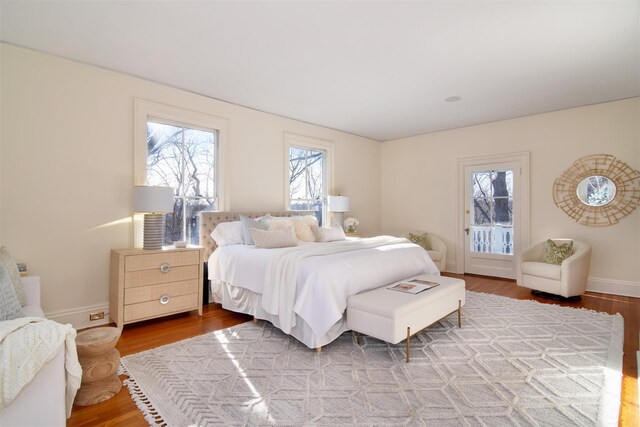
<point x="99" y="360"/>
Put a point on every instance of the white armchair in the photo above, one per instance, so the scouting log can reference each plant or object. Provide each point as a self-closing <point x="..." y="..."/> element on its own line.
<point x="46" y="393"/>
<point x="568" y="279"/>
<point x="436" y="249"/>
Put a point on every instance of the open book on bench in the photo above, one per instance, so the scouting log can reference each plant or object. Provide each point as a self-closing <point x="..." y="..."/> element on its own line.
<point x="414" y="286"/>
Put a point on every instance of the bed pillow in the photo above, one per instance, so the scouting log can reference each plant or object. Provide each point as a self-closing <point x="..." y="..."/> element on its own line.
<point x="328" y="234"/>
<point x="9" y="304"/>
<point x="302" y="227"/>
<point x="228" y="233"/>
<point x="555" y="253"/>
<point x="249" y="223"/>
<point x="279" y="223"/>
<point x="12" y="271"/>
<point x="269" y="239"/>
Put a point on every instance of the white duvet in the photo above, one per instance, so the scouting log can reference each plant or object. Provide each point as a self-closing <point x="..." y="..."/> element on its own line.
<point x="324" y="275"/>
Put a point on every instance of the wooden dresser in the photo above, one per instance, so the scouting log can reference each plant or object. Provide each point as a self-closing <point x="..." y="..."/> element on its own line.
<point x="145" y="284"/>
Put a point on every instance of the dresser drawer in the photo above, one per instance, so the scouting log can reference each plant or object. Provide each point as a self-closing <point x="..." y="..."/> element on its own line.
<point x="151" y="277"/>
<point x="154" y="292"/>
<point x="156" y="260"/>
<point x="151" y="309"/>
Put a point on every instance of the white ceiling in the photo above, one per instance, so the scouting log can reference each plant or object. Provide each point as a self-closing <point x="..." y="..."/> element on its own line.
<point x="379" y="69"/>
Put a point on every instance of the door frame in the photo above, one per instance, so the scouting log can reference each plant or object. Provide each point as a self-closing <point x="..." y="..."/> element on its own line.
<point x="522" y="158"/>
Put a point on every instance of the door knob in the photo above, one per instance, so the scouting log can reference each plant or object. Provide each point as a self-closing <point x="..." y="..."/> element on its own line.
<point x="466" y="230"/>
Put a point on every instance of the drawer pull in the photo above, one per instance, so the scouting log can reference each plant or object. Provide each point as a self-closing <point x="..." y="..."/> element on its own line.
<point x="164" y="299"/>
<point x="165" y="268"/>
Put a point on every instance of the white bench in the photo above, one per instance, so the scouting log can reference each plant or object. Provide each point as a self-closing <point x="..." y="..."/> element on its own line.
<point x="392" y="316"/>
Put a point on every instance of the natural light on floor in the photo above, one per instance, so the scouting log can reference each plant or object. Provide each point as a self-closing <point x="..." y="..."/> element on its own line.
<point x="260" y="405"/>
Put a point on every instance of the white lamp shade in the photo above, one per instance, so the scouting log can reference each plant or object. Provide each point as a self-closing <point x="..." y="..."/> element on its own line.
<point x="338" y="203"/>
<point x="152" y="199"/>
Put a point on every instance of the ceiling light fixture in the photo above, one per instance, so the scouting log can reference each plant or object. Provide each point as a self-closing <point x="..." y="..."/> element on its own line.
<point x="453" y="98"/>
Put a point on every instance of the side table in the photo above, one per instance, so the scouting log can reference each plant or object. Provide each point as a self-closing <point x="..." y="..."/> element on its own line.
<point x="99" y="360"/>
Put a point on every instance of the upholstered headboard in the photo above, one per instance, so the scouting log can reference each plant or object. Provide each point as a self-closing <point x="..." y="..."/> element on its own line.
<point x="209" y="221"/>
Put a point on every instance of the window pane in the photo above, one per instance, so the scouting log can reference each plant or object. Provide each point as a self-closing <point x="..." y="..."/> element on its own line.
<point x="481" y="211"/>
<point x="306" y="180"/>
<point x="164" y="155"/>
<point x="194" y="207"/>
<point x="173" y="223"/>
<point x="481" y="184"/>
<point x="503" y="211"/>
<point x="199" y="151"/>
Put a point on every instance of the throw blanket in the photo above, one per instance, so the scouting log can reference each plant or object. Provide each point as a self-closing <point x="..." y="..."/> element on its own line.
<point x="282" y="273"/>
<point x="26" y="345"/>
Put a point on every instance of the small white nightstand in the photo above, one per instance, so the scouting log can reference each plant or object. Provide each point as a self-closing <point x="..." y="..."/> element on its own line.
<point x="146" y="284"/>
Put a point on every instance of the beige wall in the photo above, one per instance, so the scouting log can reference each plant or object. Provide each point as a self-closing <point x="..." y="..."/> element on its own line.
<point x="419" y="178"/>
<point x="66" y="168"/>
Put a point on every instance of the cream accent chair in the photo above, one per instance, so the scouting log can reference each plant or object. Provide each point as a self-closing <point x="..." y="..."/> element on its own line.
<point x="568" y="279"/>
<point x="42" y="401"/>
<point x="437" y="249"/>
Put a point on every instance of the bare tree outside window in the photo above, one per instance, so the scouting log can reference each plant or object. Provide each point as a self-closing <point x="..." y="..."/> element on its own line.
<point x="183" y="158"/>
<point x="307" y="180"/>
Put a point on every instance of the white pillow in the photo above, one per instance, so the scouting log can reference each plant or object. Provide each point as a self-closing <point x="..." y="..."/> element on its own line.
<point x="302" y="226"/>
<point x="270" y="239"/>
<point x="328" y="234"/>
<point x="279" y="223"/>
<point x="228" y="233"/>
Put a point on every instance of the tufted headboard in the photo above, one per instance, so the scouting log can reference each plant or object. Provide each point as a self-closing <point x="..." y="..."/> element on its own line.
<point x="209" y="221"/>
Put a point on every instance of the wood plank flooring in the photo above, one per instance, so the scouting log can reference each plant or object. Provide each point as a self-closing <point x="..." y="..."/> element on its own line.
<point x="122" y="411"/>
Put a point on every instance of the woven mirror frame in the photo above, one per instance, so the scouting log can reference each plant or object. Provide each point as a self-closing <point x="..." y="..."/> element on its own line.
<point x="627" y="190"/>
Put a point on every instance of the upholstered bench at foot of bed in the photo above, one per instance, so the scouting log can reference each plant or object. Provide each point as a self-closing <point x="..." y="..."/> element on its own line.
<point x="393" y="316"/>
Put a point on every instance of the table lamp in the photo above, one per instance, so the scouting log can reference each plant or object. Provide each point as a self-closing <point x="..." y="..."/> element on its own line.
<point x="155" y="202"/>
<point x="338" y="205"/>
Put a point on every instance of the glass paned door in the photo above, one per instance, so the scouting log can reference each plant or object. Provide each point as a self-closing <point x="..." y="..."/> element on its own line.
<point x="491" y="218"/>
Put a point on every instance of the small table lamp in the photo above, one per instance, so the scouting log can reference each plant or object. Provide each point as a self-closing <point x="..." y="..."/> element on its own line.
<point x="338" y="205"/>
<point x="155" y="201"/>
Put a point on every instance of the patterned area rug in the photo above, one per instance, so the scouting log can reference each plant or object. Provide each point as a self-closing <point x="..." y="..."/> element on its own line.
<point x="512" y="363"/>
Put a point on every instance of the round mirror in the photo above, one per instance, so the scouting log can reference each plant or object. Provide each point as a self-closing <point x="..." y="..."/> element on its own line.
<point x="596" y="190"/>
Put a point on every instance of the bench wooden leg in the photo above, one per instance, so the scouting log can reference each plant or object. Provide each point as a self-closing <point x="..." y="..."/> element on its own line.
<point x="358" y="338"/>
<point x="255" y="320"/>
<point x="459" y="313"/>
<point x="408" y="342"/>
<point x="318" y="349"/>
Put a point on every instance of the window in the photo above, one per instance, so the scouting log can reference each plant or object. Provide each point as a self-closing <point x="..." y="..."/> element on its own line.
<point x="308" y="177"/>
<point x="184" y="150"/>
<point x="184" y="159"/>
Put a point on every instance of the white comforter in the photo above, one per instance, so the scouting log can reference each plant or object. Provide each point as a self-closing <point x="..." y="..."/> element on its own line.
<point x="315" y="280"/>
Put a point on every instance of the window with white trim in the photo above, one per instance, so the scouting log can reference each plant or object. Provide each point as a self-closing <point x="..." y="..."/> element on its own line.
<point x="308" y="174"/>
<point x="182" y="149"/>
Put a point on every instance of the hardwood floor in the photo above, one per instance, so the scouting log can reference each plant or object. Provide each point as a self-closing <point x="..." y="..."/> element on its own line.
<point x="122" y="411"/>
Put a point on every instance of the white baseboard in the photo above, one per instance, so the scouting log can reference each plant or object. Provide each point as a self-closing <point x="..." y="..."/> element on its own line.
<point x="615" y="287"/>
<point x="79" y="317"/>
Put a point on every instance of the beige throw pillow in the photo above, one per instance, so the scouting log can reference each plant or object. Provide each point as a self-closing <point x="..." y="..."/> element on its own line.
<point x="302" y="226"/>
<point x="269" y="239"/>
<point x="328" y="234"/>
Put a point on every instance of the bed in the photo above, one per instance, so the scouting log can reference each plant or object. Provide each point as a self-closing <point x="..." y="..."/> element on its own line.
<point x="304" y="290"/>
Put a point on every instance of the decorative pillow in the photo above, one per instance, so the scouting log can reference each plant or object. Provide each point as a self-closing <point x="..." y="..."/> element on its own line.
<point x="555" y="253"/>
<point x="420" y="240"/>
<point x="248" y="224"/>
<point x="9" y="304"/>
<point x="279" y="223"/>
<point x="302" y="227"/>
<point x="228" y="233"/>
<point x="14" y="274"/>
<point x="328" y="234"/>
<point x="270" y="239"/>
